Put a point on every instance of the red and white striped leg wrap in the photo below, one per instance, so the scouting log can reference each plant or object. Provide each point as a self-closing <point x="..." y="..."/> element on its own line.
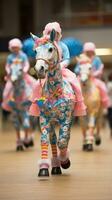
<point x="54" y="150"/>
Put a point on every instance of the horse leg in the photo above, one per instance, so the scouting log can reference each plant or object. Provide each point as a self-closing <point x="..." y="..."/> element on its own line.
<point x="28" y="140"/>
<point x="84" y="139"/>
<point x="33" y="125"/>
<point x="16" y="122"/>
<point x="44" y="161"/>
<point x="97" y="135"/>
<point x="83" y="123"/>
<point x="64" y="136"/>
<point x="90" y="133"/>
<point x="109" y="117"/>
<point x="55" y="162"/>
<point x="90" y="137"/>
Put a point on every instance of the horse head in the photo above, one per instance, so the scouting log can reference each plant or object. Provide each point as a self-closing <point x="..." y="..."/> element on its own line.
<point x="85" y="69"/>
<point x="16" y="72"/>
<point x="47" y="54"/>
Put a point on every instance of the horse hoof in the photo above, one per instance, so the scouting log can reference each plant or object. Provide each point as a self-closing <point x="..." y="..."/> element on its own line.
<point x="89" y="147"/>
<point x="97" y="140"/>
<point x="20" y="148"/>
<point x="66" y="164"/>
<point x="56" y="171"/>
<point x="28" y="143"/>
<point x="44" y="172"/>
<point x="84" y="147"/>
<point x="31" y="143"/>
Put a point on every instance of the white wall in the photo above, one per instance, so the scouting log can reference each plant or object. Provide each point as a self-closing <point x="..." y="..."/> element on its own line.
<point x="102" y="37"/>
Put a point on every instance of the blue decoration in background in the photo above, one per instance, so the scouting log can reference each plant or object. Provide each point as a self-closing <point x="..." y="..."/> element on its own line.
<point x="28" y="45"/>
<point x="74" y="45"/>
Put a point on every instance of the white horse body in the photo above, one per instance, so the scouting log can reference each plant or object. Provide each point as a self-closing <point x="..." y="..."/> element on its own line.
<point x="58" y="105"/>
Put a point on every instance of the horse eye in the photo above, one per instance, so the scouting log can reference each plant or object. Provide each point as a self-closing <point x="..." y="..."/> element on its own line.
<point x="50" y="49"/>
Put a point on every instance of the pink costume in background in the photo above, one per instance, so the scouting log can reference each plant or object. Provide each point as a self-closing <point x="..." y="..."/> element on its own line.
<point x="103" y="92"/>
<point x="100" y="84"/>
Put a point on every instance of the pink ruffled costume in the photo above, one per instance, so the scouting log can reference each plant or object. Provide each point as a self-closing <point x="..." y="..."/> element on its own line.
<point x="103" y="92"/>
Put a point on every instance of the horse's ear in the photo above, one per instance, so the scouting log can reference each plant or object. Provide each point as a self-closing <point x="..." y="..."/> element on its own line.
<point x="52" y="35"/>
<point x="34" y="37"/>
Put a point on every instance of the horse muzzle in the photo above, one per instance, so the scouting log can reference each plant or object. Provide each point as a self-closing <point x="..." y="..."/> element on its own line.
<point x="41" y="73"/>
<point x="13" y="79"/>
<point x="83" y="78"/>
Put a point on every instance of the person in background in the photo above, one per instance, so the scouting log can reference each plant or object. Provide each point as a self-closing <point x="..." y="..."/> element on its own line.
<point x="97" y="65"/>
<point x="63" y="47"/>
<point x="89" y="49"/>
<point x="15" y="47"/>
<point x="17" y="55"/>
<point x="15" y="95"/>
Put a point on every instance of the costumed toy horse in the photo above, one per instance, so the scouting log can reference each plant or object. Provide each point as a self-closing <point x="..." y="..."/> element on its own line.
<point x="56" y="103"/>
<point x="92" y="100"/>
<point x="17" y="102"/>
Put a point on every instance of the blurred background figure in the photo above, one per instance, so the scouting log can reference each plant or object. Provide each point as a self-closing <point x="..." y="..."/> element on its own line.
<point x="109" y="87"/>
<point x="91" y="123"/>
<point x="16" y="57"/>
<point x="89" y="49"/>
<point x="17" y="91"/>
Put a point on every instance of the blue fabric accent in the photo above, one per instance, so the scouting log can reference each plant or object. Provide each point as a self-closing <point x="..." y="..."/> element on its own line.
<point x="65" y="51"/>
<point x="77" y="69"/>
<point x="96" y="63"/>
<point x="21" y="56"/>
<point x="28" y="45"/>
<point x="74" y="45"/>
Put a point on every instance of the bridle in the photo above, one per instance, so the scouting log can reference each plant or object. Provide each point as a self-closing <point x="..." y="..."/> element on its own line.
<point x="50" y="65"/>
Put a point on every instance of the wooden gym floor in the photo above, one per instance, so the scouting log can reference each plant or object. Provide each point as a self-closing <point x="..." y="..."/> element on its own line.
<point x="89" y="177"/>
